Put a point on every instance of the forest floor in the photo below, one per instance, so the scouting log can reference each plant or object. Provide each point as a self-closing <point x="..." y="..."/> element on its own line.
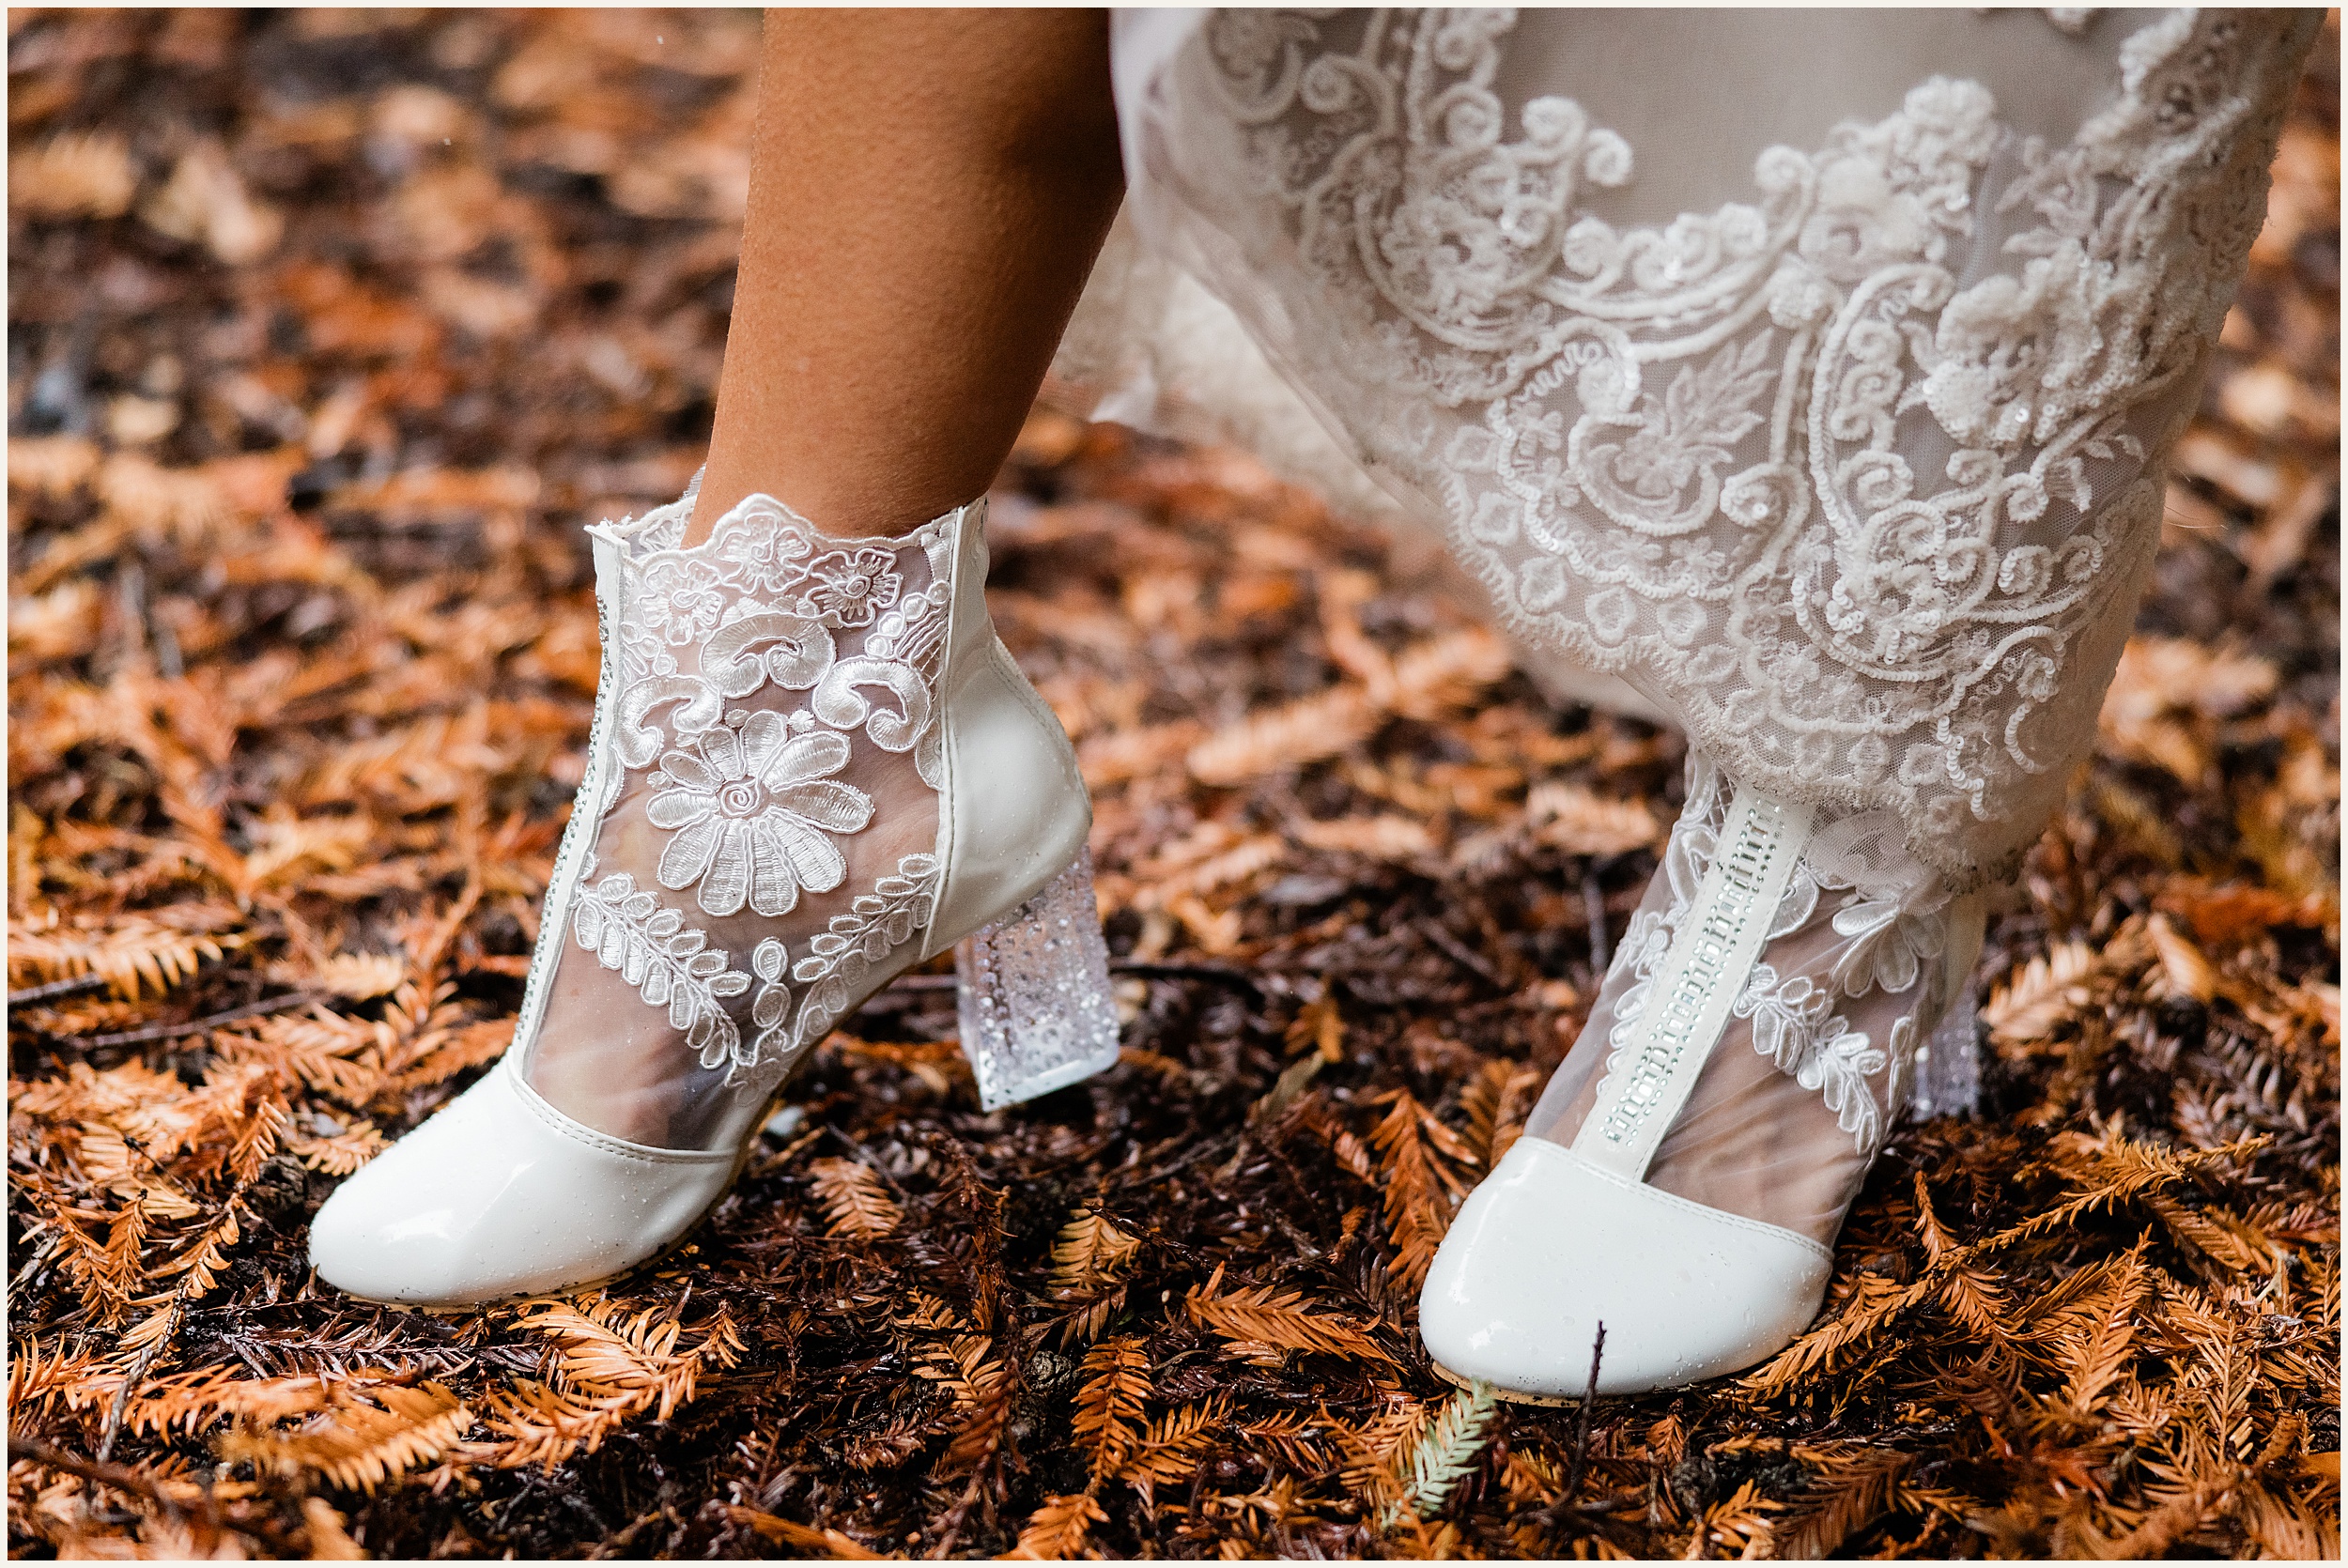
<point x="327" y="330"/>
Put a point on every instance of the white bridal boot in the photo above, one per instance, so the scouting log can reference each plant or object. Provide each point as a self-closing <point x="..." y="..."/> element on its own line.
<point x="1684" y="1175"/>
<point x="812" y="766"/>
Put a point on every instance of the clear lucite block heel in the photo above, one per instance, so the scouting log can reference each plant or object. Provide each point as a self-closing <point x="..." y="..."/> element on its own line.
<point x="1037" y="1014"/>
<point x="1948" y="1069"/>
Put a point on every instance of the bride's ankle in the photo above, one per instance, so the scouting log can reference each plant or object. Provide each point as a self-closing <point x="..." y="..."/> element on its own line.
<point x="892" y="501"/>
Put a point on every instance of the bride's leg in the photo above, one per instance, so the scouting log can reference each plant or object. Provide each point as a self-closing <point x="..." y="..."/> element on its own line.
<point x="928" y="191"/>
<point x="809" y="767"/>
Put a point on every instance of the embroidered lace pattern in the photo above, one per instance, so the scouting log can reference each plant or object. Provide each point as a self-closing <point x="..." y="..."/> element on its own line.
<point x="1861" y="476"/>
<point x="765" y="678"/>
<point x="1890" y="932"/>
<point x="764" y="607"/>
<point x="1863" y="955"/>
<point x="674" y="966"/>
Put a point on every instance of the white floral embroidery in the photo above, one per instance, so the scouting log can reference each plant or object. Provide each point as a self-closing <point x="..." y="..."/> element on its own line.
<point x="839" y="957"/>
<point x="1859" y="476"/>
<point x="1889" y="945"/>
<point x="1891" y="914"/>
<point x="850" y="588"/>
<point x="671" y="964"/>
<point x="1795" y="1025"/>
<point x="746" y="792"/>
<point x="682" y="600"/>
<point x="770" y="961"/>
<point x="768" y="554"/>
<point x="751" y="808"/>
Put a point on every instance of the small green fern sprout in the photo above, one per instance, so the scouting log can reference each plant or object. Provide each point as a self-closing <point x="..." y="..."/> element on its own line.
<point x="1446" y="1453"/>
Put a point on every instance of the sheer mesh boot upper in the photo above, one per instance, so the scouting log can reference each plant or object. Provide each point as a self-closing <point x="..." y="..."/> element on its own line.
<point x="1862" y="956"/>
<point x="767" y="840"/>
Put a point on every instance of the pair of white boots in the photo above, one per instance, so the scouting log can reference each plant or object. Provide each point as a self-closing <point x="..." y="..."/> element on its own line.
<point x="813" y="765"/>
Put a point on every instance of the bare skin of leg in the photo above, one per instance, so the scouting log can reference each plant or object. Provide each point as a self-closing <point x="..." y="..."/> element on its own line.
<point x="929" y="190"/>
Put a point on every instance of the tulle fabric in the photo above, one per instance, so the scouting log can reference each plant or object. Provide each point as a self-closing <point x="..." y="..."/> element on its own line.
<point x="1808" y="374"/>
<point x="1821" y="1050"/>
<point x="1811" y="372"/>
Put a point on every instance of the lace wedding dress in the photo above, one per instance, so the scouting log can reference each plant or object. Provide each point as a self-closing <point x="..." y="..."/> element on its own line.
<point x="1810" y="373"/>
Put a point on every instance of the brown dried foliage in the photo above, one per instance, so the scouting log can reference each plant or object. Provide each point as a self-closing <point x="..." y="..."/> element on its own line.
<point x="334" y="325"/>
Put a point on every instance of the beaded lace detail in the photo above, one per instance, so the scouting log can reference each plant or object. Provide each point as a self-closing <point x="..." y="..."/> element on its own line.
<point x="1860" y="476"/>
<point x="1874" y="923"/>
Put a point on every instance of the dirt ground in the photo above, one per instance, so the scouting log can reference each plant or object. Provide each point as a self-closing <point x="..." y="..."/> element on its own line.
<point x="327" y="331"/>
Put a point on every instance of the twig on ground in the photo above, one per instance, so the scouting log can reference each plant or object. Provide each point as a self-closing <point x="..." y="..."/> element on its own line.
<point x="123" y="1478"/>
<point x="1196" y="1153"/>
<point x="1214" y="973"/>
<point x="1467" y="957"/>
<point x="951" y="1524"/>
<point x="136" y="1377"/>
<point x="1582" y="1427"/>
<point x="871" y="1161"/>
<point x="70" y="986"/>
<point x="193" y="1025"/>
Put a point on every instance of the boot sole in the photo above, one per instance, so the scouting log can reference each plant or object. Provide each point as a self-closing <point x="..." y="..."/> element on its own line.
<point x="1507" y="1396"/>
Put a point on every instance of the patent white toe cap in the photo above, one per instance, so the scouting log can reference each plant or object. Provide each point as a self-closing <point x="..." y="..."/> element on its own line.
<point x="1549" y="1246"/>
<point x="500" y="1196"/>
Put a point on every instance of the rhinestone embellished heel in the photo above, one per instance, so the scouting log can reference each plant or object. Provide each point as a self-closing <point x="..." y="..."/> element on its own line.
<point x="1036" y="1008"/>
